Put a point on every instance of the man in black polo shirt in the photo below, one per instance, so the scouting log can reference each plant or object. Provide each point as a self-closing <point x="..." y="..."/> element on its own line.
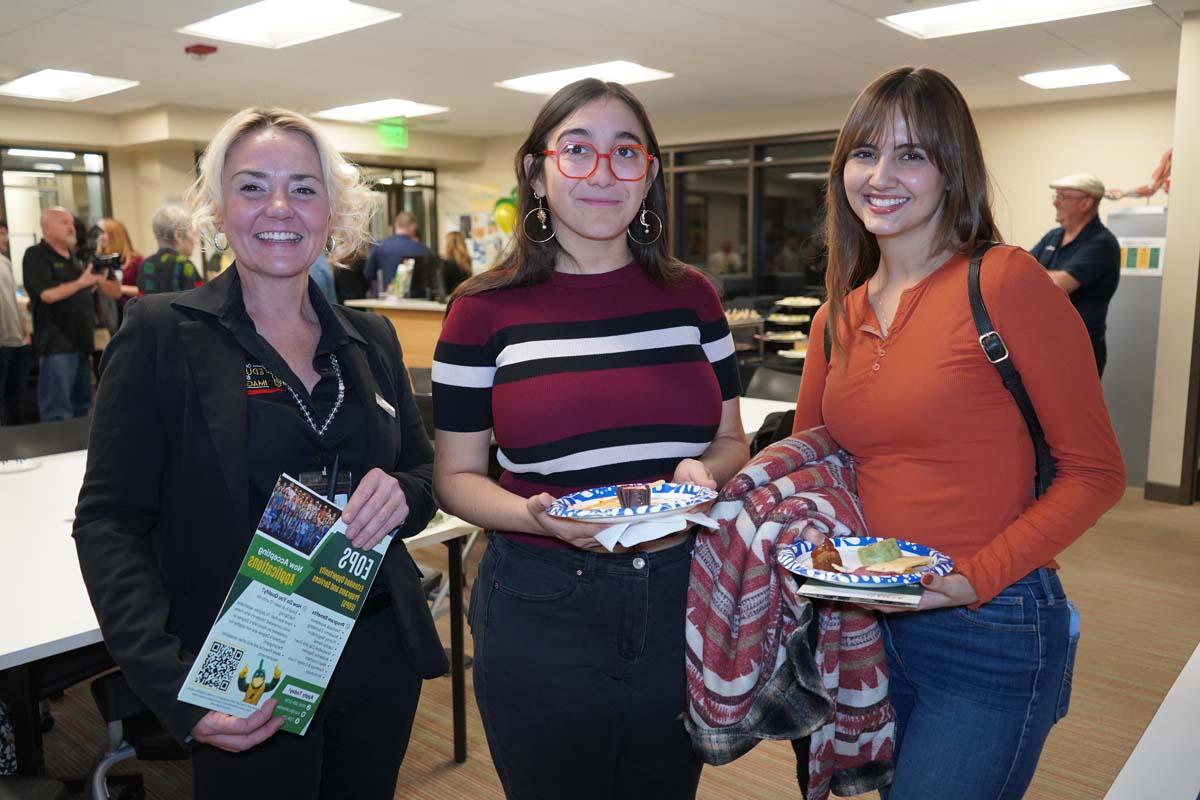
<point x="60" y="296"/>
<point x="1082" y="257"/>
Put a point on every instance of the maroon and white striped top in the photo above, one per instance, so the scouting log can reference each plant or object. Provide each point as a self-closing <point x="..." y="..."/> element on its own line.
<point x="587" y="380"/>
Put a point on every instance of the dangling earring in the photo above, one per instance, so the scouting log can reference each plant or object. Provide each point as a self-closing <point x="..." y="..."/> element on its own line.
<point x="543" y="218"/>
<point x="643" y="225"/>
<point x="220" y="242"/>
<point x="330" y="243"/>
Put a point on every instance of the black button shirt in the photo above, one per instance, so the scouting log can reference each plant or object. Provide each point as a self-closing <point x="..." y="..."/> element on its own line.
<point x="66" y="326"/>
<point x="280" y="436"/>
<point x="1094" y="259"/>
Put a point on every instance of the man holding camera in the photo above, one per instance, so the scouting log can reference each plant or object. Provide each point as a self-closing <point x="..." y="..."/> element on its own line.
<point x="60" y="296"/>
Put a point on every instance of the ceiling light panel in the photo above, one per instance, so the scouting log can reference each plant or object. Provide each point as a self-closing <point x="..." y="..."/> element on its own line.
<point x="987" y="15"/>
<point x="1078" y="76"/>
<point x="625" y="72"/>
<point x="64" y="86"/>
<point x="282" y="23"/>
<point x="380" y="109"/>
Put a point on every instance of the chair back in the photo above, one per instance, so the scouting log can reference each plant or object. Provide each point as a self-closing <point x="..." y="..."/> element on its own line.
<point x="44" y="438"/>
<point x="771" y="384"/>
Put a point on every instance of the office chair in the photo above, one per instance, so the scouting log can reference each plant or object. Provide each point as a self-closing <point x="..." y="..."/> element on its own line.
<point x="772" y="384"/>
<point x="132" y="731"/>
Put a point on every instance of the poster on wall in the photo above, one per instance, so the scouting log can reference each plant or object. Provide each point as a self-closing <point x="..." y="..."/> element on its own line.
<point x="1142" y="256"/>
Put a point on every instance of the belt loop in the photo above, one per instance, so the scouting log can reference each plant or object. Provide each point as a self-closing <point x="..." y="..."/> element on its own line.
<point x="1047" y="587"/>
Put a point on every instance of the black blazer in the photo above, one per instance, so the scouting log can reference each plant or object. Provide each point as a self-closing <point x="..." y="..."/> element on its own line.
<point x="161" y="523"/>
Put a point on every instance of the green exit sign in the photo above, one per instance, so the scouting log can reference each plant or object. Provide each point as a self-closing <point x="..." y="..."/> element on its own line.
<point x="393" y="133"/>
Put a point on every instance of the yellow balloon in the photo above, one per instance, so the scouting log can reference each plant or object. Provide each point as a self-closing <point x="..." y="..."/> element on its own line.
<point x="506" y="216"/>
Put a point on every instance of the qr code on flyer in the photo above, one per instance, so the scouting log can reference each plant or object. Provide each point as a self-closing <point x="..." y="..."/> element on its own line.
<point x="220" y="665"/>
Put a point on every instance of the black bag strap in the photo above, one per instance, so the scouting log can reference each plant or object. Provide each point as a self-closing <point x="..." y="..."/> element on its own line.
<point x="996" y="352"/>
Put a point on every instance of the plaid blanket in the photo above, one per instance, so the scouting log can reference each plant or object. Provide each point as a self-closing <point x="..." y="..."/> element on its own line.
<point x="752" y="671"/>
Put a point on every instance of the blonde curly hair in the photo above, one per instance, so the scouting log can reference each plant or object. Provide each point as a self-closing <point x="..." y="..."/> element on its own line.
<point x="351" y="203"/>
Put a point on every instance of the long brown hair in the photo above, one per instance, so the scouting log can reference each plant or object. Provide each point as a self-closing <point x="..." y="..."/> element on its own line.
<point x="525" y="262"/>
<point x="937" y="115"/>
<point x="456" y="252"/>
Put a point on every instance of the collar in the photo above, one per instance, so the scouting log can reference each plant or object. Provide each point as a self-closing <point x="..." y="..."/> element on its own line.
<point x="222" y="298"/>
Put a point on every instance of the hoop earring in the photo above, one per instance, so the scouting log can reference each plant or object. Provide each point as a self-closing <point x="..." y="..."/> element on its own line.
<point x="543" y="218"/>
<point x="220" y="241"/>
<point x="641" y="221"/>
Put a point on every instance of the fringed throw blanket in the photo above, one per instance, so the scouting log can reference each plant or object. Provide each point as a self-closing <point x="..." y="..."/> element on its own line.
<point x="751" y="670"/>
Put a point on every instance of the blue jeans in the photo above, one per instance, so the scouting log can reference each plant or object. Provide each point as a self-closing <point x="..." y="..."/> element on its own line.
<point x="64" y="386"/>
<point x="976" y="692"/>
<point x="579" y="672"/>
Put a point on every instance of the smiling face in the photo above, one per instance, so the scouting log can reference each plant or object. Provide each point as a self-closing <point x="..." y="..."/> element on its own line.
<point x="599" y="207"/>
<point x="893" y="186"/>
<point x="275" y="209"/>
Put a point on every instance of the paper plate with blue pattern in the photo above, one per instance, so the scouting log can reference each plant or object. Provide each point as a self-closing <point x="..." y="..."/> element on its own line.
<point x="797" y="558"/>
<point x="603" y="504"/>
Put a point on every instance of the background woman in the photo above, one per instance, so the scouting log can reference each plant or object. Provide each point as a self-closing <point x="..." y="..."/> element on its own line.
<point x="981" y="671"/>
<point x="183" y="459"/>
<point x="456" y="261"/>
<point x="170" y="267"/>
<point x="595" y="358"/>
<point x="114" y="238"/>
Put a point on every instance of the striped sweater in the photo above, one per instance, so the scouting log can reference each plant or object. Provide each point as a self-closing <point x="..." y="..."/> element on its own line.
<point x="587" y="380"/>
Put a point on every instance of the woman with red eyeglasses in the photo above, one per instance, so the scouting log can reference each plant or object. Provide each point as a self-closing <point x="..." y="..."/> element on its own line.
<point x="594" y="358"/>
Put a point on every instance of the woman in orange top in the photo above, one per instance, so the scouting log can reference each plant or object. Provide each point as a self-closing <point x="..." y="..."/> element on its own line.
<point x="981" y="670"/>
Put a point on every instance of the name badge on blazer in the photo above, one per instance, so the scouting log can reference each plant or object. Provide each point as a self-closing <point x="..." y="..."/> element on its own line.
<point x="385" y="405"/>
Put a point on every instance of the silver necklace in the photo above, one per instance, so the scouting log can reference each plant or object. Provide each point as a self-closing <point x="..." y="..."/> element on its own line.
<point x="341" y="395"/>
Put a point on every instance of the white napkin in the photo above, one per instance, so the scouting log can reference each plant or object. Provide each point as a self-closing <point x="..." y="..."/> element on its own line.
<point x="628" y="534"/>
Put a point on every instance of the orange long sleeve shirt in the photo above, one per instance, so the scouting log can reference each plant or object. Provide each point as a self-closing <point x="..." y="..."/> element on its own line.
<point x="942" y="453"/>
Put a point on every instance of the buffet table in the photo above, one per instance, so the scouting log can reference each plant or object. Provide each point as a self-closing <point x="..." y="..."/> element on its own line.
<point x="418" y="324"/>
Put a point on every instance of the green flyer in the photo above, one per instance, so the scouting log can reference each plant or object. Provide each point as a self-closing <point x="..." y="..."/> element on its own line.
<point x="288" y="614"/>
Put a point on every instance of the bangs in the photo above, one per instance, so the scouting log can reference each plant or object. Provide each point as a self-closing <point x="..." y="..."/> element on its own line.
<point x="870" y="121"/>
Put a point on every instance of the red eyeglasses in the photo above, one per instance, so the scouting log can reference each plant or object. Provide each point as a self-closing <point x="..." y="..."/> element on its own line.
<point x="578" y="160"/>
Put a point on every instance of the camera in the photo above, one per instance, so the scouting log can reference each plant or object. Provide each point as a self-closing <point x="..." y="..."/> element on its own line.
<point x="107" y="261"/>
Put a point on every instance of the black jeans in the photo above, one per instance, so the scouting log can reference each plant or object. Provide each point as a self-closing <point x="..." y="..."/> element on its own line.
<point x="579" y="672"/>
<point x="355" y="743"/>
<point x="15" y="365"/>
<point x="1100" y="349"/>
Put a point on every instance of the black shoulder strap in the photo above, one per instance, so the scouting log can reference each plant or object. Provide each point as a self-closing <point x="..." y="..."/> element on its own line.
<point x="997" y="352"/>
<point x="828" y="342"/>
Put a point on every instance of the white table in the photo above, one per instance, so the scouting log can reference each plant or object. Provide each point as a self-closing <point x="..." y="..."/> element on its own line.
<point x="45" y="605"/>
<point x="1164" y="763"/>
<point x="754" y="411"/>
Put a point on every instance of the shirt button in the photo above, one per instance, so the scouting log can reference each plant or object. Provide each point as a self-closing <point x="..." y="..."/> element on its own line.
<point x="882" y="352"/>
<point x="639" y="563"/>
<point x="579" y="572"/>
<point x="876" y="367"/>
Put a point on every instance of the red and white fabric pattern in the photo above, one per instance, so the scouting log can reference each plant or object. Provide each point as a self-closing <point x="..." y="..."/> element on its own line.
<point x="752" y="671"/>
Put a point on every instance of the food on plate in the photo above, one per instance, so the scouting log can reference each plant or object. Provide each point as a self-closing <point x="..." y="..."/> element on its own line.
<point x="799" y="302"/>
<point x="899" y="566"/>
<point x="783" y="336"/>
<point x="789" y="319"/>
<point x="825" y="556"/>
<point x="632" y="495"/>
<point x="796" y="353"/>
<point x="881" y="551"/>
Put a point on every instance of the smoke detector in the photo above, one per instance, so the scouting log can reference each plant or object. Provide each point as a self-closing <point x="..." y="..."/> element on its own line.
<point x="199" y="52"/>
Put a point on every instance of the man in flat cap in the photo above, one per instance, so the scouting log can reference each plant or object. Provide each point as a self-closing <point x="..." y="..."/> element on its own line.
<point x="1082" y="256"/>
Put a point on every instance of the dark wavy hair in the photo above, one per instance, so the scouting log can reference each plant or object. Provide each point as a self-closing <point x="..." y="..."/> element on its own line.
<point x="937" y="115"/>
<point x="525" y="262"/>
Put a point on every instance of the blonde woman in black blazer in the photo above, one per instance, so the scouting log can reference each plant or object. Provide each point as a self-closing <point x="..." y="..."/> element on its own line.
<point x="184" y="453"/>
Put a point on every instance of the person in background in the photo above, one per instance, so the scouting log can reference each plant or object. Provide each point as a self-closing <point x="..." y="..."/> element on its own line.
<point x="456" y="262"/>
<point x="114" y="238"/>
<point x="1082" y="256"/>
<point x="724" y="260"/>
<point x="170" y="268"/>
<point x="387" y="255"/>
<point x="61" y="298"/>
<point x="595" y="358"/>
<point x="349" y="281"/>
<point x="16" y="352"/>
<point x="321" y="272"/>
<point x="184" y="455"/>
<point x="981" y="670"/>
